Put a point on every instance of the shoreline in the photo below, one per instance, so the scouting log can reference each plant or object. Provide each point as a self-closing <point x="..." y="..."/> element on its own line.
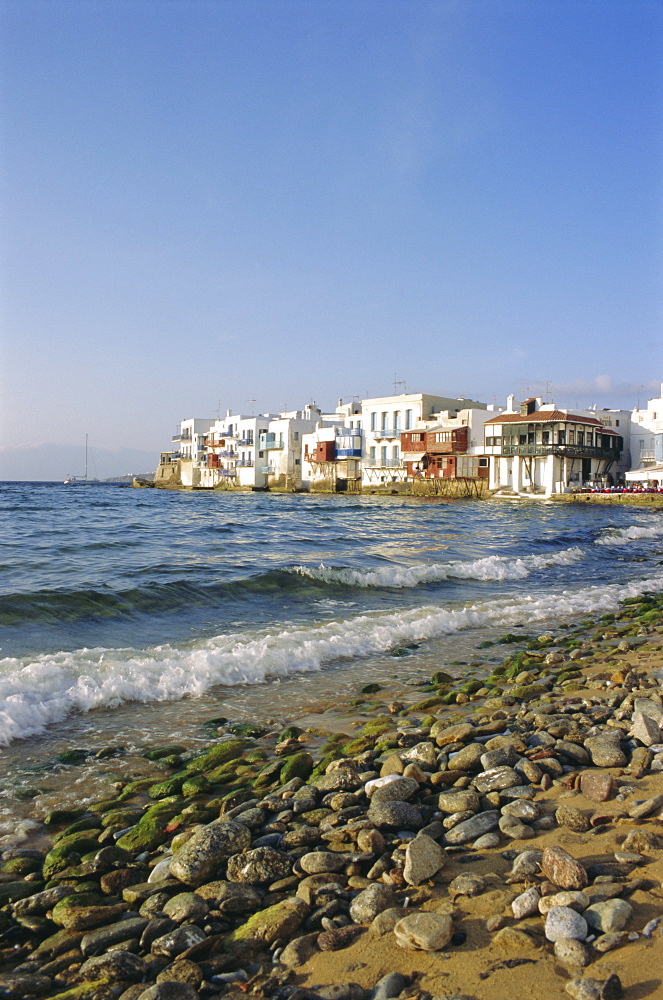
<point x="647" y="500"/>
<point x="299" y="798"/>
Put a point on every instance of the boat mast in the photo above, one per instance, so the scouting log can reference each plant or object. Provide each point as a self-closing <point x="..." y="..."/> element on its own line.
<point x="86" y="457"/>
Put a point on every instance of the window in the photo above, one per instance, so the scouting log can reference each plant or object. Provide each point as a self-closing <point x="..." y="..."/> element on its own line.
<point x="397" y="420"/>
<point x="561" y="437"/>
<point x="408" y="419"/>
<point x="297" y="462"/>
<point x="374" y="421"/>
<point x="395" y="453"/>
<point x="383" y="420"/>
<point x="373" y="453"/>
<point x="383" y="454"/>
<point x="483" y="462"/>
<point x="296" y="435"/>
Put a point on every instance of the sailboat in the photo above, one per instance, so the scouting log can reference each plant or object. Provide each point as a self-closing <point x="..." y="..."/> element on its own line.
<point x="82" y="480"/>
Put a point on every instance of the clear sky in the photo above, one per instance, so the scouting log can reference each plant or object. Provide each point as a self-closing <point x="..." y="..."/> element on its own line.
<point x="206" y="203"/>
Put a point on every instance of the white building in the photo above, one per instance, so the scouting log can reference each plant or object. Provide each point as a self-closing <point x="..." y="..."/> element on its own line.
<point x="385" y="418"/>
<point x="331" y="457"/>
<point x="233" y="454"/>
<point x="191" y="442"/>
<point x="536" y="448"/>
<point x="647" y="434"/>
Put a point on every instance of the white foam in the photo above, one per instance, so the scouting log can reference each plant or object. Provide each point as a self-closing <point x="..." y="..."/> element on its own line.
<point x="36" y="692"/>
<point x="624" y="536"/>
<point x="489" y="568"/>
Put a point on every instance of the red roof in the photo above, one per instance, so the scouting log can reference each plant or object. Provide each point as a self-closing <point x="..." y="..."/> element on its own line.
<point x="547" y="417"/>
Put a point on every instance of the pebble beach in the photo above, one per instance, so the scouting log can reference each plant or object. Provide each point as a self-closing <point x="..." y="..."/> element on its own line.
<point x="494" y="838"/>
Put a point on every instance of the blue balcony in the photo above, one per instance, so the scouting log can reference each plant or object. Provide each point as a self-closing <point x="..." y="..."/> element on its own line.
<point x="227" y="473"/>
<point x="348" y="453"/>
<point x="245" y="465"/>
<point x="271" y="444"/>
<point x="227" y="454"/>
<point x="245" y="442"/>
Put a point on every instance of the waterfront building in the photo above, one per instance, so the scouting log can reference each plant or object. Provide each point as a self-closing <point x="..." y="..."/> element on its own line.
<point x="449" y="446"/>
<point x="646" y="428"/>
<point x="537" y="448"/>
<point x="331" y="457"/>
<point x="233" y="454"/>
<point x="184" y="461"/>
<point x="384" y="419"/>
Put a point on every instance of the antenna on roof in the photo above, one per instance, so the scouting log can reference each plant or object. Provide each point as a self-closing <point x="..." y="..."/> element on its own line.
<point x="638" y="387"/>
<point x="253" y="406"/>
<point x="399" y="382"/>
<point x="548" y="391"/>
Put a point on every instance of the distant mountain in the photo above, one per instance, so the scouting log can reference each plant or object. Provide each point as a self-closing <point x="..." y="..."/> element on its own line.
<point x="57" y="461"/>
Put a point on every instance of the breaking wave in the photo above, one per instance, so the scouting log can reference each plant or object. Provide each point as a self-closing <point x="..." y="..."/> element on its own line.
<point x="38" y="691"/>
<point x="636" y="533"/>
<point x="488" y="568"/>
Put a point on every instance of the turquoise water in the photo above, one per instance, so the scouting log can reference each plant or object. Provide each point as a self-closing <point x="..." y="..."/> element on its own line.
<point x="112" y="597"/>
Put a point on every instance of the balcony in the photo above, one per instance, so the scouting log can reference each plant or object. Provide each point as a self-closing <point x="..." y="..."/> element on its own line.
<point x="384" y="463"/>
<point x="387" y="432"/>
<point x="267" y="470"/>
<point x="227" y="454"/>
<point x="227" y="473"/>
<point x="348" y="453"/>
<point x="245" y="442"/>
<point x="562" y="450"/>
<point x="271" y="444"/>
<point x="245" y="465"/>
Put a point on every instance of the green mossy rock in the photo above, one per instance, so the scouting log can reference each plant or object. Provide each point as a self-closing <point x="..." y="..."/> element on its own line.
<point x="372" y="688"/>
<point x="99" y="989"/>
<point x="247" y="729"/>
<point x="60" y="816"/>
<point x="122" y="817"/>
<point x="73" y="756"/>
<point x="174" y="750"/>
<point x="145" y="836"/>
<point x="299" y="765"/>
<point x="219" y="754"/>
<point x="171" y="786"/>
<point x="527" y="692"/>
<point x="290" y="733"/>
<point x="164" y="810"/>
<point x="195" y="785"/>
<point x="257" y="756"/>
<point x="357" y="746"/>
<point x="442" y="677"/>
<point x="84" y="823"/>
<point x="269" y="774"/>
<point x="21" y="866"/>
<point x="277" y="922"/>
<point x="378" y="726"/>
<point x="425" y="704"/>
<point x="470" y="687"/>
<point x="60" y="855"/>
<point x="135" y="788"/>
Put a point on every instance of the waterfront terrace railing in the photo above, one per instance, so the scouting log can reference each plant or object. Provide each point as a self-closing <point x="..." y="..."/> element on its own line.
<point x="568" y="450"/>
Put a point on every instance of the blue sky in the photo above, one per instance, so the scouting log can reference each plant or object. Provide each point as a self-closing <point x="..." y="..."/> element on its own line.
<point x="207" y="203"/>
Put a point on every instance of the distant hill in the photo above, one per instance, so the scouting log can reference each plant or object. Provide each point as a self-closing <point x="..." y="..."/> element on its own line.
<point x="56" y="462"/>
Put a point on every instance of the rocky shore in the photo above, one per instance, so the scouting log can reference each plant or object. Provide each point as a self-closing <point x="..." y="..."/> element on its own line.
<point x="494" y="838"/>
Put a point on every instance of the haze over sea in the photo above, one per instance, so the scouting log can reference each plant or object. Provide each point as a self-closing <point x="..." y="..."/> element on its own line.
<point x="128" y="614"/>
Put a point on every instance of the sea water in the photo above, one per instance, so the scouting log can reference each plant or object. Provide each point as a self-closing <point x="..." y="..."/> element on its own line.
<point x="131" y="615"/>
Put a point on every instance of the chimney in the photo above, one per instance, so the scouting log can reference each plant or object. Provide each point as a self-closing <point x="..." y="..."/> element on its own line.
<point x="510" y="403"/>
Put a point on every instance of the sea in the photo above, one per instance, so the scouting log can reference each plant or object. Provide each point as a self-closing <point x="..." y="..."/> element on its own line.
<point x="131" y="617"/>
